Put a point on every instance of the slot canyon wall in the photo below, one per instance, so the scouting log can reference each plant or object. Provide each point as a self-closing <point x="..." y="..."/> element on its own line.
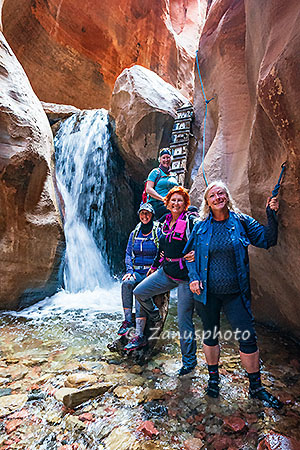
<point x="250" y="63"/>
<point x="30" y="225"/>
<point x="80" y="48"/>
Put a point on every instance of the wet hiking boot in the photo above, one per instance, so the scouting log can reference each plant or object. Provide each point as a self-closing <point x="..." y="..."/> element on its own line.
<point x="125" y="327"/>
<point x="213" y="389"/>
<point x="265" y="396"/>
<point x="186" y="369"/>
<point x="136" y="343"/>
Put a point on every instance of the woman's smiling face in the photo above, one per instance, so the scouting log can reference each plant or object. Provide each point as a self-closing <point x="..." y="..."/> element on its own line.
<point x="176" y="204"/>
<point x="217" y="199"/>
<point x="145" y="216"/>
<point x="165" y="160"/>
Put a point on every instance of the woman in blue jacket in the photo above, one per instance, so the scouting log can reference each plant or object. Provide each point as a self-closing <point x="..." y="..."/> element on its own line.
<point x="219" y="279"/>
<point x="140" y="252"/>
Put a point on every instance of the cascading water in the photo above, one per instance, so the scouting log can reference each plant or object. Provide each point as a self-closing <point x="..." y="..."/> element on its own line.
<point x="83" y="139"/>
<point x="82" y="152"/>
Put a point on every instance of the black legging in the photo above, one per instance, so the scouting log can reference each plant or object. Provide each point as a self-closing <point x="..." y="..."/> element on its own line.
<point x="237" y="314"/>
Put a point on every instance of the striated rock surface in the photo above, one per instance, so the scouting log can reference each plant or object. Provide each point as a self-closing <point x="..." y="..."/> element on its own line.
<point x="73" y="51"/>
<point x="144" y="107"/>
<point x="59" y="112"/>
<point x="30" y="230"/>
<point x="249" y="59"/>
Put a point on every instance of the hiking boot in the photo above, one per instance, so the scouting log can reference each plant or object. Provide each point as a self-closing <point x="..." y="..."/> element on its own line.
<point x="265" y="396"/>
<point x="213" y="389"/>
<point x="125" y="327"/>
<point x="136" y="343"/>
<point x="185" y="370"/>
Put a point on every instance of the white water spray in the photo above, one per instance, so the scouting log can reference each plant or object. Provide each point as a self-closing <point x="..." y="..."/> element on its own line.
<point x="81" y="139"/>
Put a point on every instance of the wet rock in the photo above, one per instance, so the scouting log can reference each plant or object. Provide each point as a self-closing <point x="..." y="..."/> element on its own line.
<point x="235" y="424"/>
<point x="53" y="418"/>
<point x="193" y="444"/>
<point x="74" y="423"/>
<point x="136" y="369"/>
<point x="22" y="414"/>
<point x="148" y="429"/>
<point x="79" y="396"/>
<point x="275" y="441"/>
<point x="79" y="379"/>
<point x="154" y="394"/>
<point x="38" y="395"/>
<point x="61" y="393"/>
<point x="130" y="394"/>
<point x="149" y="445"/>
<point x="120" y="438"/>
<point x="5" y="391"/>
<point x="10" y="403"/>
<point x="87" y="417"/>
<point x="221" y="442"/>
<point x="12" y="425"/>
<point x="155" y="409"/>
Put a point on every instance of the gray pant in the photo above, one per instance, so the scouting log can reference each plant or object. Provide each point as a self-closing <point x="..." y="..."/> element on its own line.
<point x="127" y="294"/>
<point x="158" y="283"/>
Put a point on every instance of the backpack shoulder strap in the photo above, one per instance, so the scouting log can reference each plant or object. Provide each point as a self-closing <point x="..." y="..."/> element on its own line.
<point x="158" y="176"/>
<point x="156" y="227"/>
<point x="135" y="233"/>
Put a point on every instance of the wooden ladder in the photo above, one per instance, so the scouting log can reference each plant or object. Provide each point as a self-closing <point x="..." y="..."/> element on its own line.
<point x="180" y="140"/>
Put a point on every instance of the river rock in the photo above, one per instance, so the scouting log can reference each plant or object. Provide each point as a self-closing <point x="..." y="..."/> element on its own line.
<point x="79" y="51"/>
<point x="79" y="379"/>
<point x="148" y="429"/>
<point x="143" y="106"/>
<point x="61" y="393"/>
<point x="30" y="227"/>
<point x="234" y="424"/>
<point x="10" y="403"/>
<point x="274" y="441"/>
<point x="154" y="394"/>
<point x="74" y="423"/>
<point x="193" y="444"/>
<point x="131" y="394"/>
<point x="75" y="398"/>
<point x="120" y="438"/>
<point x="248" y="63"/>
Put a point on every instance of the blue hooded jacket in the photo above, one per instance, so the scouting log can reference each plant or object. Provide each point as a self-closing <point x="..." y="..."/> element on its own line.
<point x="243" y="230"/>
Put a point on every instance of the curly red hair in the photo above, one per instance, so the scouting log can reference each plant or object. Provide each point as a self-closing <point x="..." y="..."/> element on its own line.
<point x="181" y="191"/>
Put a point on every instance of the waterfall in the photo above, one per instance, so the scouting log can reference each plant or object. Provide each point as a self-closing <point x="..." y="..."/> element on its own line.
<point x="82" y="149"/>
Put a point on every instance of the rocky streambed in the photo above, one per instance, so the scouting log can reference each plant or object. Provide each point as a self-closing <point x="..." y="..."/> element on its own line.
<point x="61" y="389"/>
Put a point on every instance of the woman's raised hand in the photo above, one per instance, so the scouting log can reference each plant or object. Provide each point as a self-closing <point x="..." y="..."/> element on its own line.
<point x="273" y="203"/>
<point x="196" y="286"/>
<point x="190" y="257"/>
<point x="127" y="276"/>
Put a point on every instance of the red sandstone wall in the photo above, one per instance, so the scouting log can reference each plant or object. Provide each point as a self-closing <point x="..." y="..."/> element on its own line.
<point x="250" y="62"/>
<point x="73" y="51"/>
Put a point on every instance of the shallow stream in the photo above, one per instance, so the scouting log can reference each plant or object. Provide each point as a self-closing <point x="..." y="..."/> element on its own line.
<point x="45" y="344"/>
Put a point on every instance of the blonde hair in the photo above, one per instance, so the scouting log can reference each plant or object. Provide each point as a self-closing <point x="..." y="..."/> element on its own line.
<point x="204" y="208"/>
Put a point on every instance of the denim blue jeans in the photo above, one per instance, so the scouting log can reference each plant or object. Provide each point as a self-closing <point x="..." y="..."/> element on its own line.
<point x="127" y="294"/>
<point x="158" y="283"/>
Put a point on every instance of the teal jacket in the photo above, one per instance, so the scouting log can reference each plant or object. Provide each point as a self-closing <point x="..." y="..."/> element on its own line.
<point x="244" y="230"/>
